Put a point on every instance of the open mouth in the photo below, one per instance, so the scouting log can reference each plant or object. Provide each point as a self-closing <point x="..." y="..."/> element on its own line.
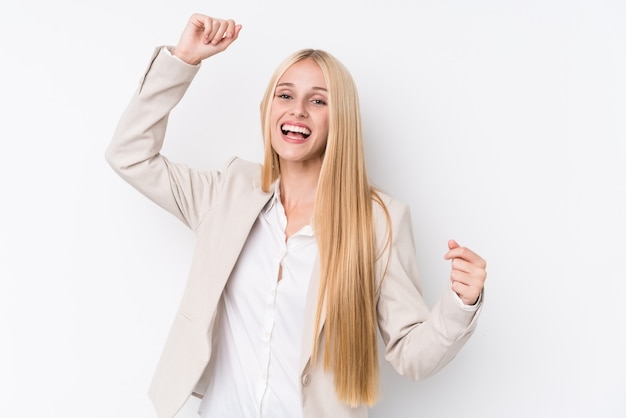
<point x="295" y="132"/>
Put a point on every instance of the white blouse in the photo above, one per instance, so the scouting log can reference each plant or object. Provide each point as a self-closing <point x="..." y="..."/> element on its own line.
<point x="255" y="363"/>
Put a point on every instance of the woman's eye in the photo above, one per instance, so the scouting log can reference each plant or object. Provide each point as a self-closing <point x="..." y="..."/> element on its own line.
<point x="319" y="102"/>
<point x="283" y="96"/>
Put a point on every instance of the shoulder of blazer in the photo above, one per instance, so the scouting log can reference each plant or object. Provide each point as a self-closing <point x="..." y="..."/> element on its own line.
<point x="395" y="208"/>
<point x="241" y="185"/>
<point x="239" y="168"/>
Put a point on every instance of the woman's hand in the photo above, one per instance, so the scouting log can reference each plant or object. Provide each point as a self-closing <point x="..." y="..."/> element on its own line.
<point x="468" y="272"/>
<point x="205" y="36"/>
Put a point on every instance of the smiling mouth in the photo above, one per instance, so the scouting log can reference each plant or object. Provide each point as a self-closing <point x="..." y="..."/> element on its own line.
<point x="295" y="132"/>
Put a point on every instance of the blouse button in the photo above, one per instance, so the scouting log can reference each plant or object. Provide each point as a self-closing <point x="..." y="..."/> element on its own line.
<point x="306" y="379"/>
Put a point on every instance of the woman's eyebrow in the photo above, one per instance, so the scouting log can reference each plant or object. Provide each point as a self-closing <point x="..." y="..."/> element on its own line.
<point x="287" y="84"/>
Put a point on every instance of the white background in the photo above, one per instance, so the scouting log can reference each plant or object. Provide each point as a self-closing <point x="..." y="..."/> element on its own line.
<point x="502" y="124"/>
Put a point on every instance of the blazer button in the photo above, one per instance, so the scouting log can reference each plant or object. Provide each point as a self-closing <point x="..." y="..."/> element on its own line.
<point x="306" y="379"/>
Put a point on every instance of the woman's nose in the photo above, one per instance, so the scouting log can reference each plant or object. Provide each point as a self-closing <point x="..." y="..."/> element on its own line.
<point x="298" y="110"/>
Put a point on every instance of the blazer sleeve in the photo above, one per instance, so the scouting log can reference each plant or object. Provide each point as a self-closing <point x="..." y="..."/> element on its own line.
<point x="134" y="151"/>
<point x="418" y="341"/>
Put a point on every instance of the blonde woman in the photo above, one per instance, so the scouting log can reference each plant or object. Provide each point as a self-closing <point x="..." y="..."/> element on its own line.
<point x="298" y="262"/>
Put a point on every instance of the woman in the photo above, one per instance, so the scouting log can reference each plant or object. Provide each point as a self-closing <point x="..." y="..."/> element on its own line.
<point x="298" y="261"/>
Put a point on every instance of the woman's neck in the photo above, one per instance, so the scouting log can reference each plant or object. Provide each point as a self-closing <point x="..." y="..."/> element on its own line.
<point x="298" y="184"/>
<point x="298" y="189"/>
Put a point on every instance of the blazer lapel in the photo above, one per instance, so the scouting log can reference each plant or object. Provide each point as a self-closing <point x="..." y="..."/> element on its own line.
<point x="235" y="230"/>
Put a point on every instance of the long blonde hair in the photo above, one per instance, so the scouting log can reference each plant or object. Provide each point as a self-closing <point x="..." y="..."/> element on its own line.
<point x="344" y="231"/>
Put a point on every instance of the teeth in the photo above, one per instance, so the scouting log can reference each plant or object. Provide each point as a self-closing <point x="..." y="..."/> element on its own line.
<point x="297" y="129"/>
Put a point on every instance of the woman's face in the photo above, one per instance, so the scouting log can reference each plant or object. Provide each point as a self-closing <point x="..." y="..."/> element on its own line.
<point x="299" y="114"/>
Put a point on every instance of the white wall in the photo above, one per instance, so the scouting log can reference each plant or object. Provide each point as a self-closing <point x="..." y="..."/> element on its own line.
<point x="500" y="122"/>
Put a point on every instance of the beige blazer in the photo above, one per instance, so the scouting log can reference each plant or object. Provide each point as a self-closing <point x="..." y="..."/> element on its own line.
<point x="220" y="207"/>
